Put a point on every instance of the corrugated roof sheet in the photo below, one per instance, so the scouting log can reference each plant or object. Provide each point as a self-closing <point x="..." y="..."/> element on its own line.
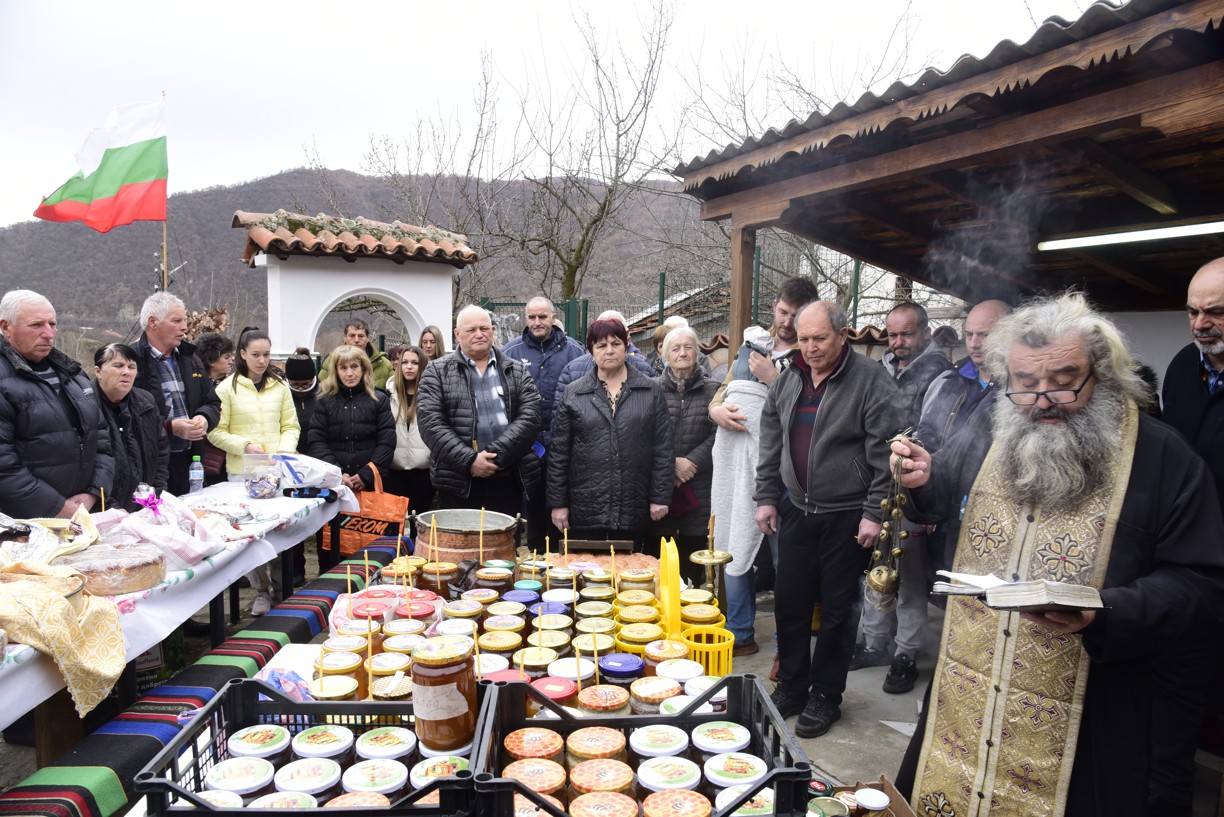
<point x="283" y="233"/>
<point x="1054" y="33"/>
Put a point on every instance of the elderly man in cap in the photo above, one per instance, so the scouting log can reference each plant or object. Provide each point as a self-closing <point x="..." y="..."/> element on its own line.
<point x="1067" y="711"/>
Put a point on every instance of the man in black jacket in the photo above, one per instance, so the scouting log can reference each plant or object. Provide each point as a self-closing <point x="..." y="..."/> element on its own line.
<point x="170" y="371"/>
<point x="54" y="446"/>
<point x="479" y="413"/>
<point x="1194" y="383"/>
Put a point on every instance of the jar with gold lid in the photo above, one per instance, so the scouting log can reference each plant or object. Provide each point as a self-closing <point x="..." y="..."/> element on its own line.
<point x="597" y="592"/>
<point x="604" y="701"/>
<point x="502" y="643"/>
<point x="347" y="665"/>
<point x="554" y="640"/>
<point x="345" y="643"/>
<point x="529" y="570"/>
<point x="561" y="577"/>
<point x="555" y="621"/>
<point x="444" y="692"/>
<point x="593" y="645"/>
<point x="399" y="571"/>
<point x="484" y="595"/>
<point x="645" y="694"/>
<point x="437" y="577"/>
<point x="601" y="775"/>
<point x="365" y="627"/>
<point x="596" y="626"/>
<point x="495" y="578"/>
<point x="635" y="637"/>
<point x="695" y="595"/>
<point x="505" y="623"/>
<point x="469" y="610"/>
<point x="457" y="626"/>
<point x="391" y="688"/>
<point x="534" y="661"/>
<point x="636" y="578"/>
<point x="638" y="614"/>
<point x="595" y="742"/>
<point x="333" y="688"/>
<point x="596" y="577"/>
<point x="700" y="615"/>
<point x="630" y="598"/>
<point x="592" y="609"/>
<point x="656" y="652"/>
<point x="508" y="608"/>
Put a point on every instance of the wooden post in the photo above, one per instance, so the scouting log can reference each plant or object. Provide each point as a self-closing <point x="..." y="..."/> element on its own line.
<point x="743" y="244"/>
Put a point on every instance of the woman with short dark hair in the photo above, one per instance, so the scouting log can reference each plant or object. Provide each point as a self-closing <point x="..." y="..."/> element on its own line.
<point x="611" y="463"/>
<point x="137" y="435"/>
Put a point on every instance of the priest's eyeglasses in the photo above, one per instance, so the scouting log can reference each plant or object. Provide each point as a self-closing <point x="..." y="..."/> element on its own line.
<point x="1054" y="396"/>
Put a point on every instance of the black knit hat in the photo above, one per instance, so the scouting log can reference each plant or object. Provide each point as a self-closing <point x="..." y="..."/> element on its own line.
<point x="299" y="368"/>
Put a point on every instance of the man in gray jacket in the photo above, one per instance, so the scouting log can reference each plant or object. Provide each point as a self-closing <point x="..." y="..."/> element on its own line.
<point x="825" y="427"/>
<point x="479" y="413"/>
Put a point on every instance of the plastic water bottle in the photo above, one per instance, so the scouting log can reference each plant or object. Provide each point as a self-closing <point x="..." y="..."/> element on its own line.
<point x="195" y="475"/>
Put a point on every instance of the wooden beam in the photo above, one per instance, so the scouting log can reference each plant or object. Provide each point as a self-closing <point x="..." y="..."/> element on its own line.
<point x="743" y="248"/>
<point x="1199" y="16"/>
<point x="1123" y="106"/>
<point x="1118" y="272"/>
<point x="1130" y="179"/>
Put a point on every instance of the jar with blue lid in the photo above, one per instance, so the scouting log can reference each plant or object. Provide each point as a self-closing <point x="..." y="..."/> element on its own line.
<point x="620" y="668"/>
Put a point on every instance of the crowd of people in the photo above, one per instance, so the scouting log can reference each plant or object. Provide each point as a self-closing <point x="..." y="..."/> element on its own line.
<point x="1034" y="457"/>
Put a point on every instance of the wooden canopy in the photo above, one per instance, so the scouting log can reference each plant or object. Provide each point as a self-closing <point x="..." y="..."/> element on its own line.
<point x="1114" y="122"/>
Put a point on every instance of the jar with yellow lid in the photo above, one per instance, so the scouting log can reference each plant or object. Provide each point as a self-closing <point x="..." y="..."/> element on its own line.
<point x="437" y="577"/>
<point x="595" y="742"/>
<point x="645" y="694"/>
<point x="600" y="775"/>
<point x="399" y="570"/>
<point x="463" y="609"/>
<point x="700" y="615"/>
<point x="391" y="688"/>
<point x="534" y="741"/>
<point x="334" y="688"/>
<point x="554" y="640"/>
<point x="365" y="627"/>
<point x="555" y="621"/>
<point x="495" y="578"/>
<point x="534" y="661"/>
<point x="387" y="663"/>
<point x="484" y="595"/>
<point x="506" y="624"/>
<point x="604" y="701"/>
<point x="403" y="626"/>
<point x="501" y="643"/>
<point x="539" y="774"/>
<point x="657" y="652"/>
<point x="345" y="643"/>
<point x="695" y="595"/>
<point x="508" y="608"/>
<point x="592" y="609"/>
<point x="347" y="665"/>
<point x="596" y="577"/>
<point x="596" y="626"/>
<point x="630" y="598"/>
<point x="638" y="614"/>
<point x="402" y="644"/>
<point x="529" y="570"/>
<point x="636" y="578"/>
<point x="635" y="637"/>
<point x="676" y="803"/>
<point x="561" y="577"/>
<point x="593" y="645"/>
<point x="597" y="592"/>
<point x="444" y="692"/>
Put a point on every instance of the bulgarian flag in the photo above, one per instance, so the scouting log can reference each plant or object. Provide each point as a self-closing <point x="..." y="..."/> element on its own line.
<point x="123" y="172"/>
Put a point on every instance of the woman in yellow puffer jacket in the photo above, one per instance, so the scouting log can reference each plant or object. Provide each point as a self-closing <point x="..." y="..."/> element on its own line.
<point x="257" y="417"/>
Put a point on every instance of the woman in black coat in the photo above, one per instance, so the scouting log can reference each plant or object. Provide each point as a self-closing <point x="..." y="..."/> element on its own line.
<point x="352" y="425"/>
<point x="611" y="463"/>
<point x="688" y="393"/>
<point x="138" y="440"/>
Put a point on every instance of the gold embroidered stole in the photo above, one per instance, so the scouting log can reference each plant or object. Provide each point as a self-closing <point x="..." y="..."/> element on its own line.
<point x="1005" y="713"/>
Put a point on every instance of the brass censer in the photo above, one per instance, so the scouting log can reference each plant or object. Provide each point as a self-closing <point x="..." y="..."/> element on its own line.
<point x="883" y="578"/>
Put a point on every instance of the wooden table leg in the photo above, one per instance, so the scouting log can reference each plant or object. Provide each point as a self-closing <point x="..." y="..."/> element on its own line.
<point x="57" y="728"/>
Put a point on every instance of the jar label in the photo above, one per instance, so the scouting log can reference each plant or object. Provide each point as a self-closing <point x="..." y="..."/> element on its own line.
<point x="438" y="703"/>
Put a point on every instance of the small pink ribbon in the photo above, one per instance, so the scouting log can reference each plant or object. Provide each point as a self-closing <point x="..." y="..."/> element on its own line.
<point x="152" y="501"/>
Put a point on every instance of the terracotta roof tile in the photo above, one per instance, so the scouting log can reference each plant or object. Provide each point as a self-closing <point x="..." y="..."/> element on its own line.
<point x="283" y="233"/>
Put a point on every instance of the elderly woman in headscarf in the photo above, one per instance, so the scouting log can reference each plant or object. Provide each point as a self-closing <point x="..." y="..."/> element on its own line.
<point x="138" y="437"/>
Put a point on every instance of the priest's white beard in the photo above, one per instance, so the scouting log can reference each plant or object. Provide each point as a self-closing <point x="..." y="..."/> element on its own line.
<point x="1055" y="466"/>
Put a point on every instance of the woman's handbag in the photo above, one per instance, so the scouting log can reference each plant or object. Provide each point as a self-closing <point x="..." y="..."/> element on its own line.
<point x="684" y="500"/>
<point x="382" y="514"/>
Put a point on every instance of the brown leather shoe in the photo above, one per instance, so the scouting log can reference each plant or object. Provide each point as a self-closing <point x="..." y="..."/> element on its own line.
<point x="745" y="648"/>
<point x="773" y="672"/>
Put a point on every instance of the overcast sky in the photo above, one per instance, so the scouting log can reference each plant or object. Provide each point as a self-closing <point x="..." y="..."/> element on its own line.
<point x="249" y="86"/>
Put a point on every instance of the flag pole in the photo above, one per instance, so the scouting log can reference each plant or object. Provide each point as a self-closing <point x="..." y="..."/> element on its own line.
<point x="165" y="257"/>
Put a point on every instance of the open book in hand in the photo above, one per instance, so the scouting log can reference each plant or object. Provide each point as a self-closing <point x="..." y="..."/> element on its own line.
<point x="1035" y="596"/>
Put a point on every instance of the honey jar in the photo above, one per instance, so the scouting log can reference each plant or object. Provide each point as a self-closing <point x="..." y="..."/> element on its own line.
<point x="637" y="636"/>
<point x="638" y="614"/>
<point x="534" y="661"/>
<point x="507" y="608"/>
<point x="402" y="644"/>
<point x="596" y="626"/>
<point x="602" y="775"/>
<point x="630" y="598"/>
<point x="592" y="646"/>
<point x="560" y="691"/>
<point x="673" y="802"/>
<point x="265" y="740"/>
<point x="535" y="742"/>
<point x="334" y="688"/>
<point x="603" y="804"/>
<point x="620" y="668"/>
<point x="597" y="592"/>
<point x="596" y="578"/>
<point x="555" y="621"/>
<point x="656" y="652"/>
<point x="344" y="665"/>
<point x="319" y="777"/>
<point x="402" y="626"/>
<point x="444" y="692"/>
<point x="645" y="694"/>
<point x="366" y="627"/>
<point x="502" y="643"/>
<point x="594" y="742"/>
<point x="391" y="688"/>
<point x="505" y="623"/>
<point x="437" y="577"/>
<point x="554" y="640"/>
<point x="495" y="578"/>
<point x="604" y="701"/>
<point x="540" y="775"/>
<point x="387" y="663"/>
<point x="695" y="595"/>
<point x="636" y="579"/>
<point x="699" y="615"/>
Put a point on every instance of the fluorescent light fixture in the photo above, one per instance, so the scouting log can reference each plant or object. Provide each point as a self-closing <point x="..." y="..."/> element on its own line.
<point x="1135" y="235"/>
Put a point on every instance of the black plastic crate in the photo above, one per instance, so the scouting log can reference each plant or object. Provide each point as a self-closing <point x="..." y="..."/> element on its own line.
<point x="504" y="711"/>
<point x="171" y="779"/>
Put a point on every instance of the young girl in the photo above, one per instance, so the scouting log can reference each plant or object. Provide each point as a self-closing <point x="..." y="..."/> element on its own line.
<point x="409" y="475"/>
<point x="257" y="417"/>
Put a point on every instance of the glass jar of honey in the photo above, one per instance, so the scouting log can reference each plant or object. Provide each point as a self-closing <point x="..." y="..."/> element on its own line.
<point x="596" y="626"/>
<point x="631" y="598"/>
<point x="508" y="608"/>
<point x="554" y="640"/>
<point x="699" y="615"/>
<point x="638" y="614"/>
<point x="334" y="688"/>
<point x="444" y="692"/>
<point x="694" y="595"/>
<point x="346" y="665"/>
<point x="534" y="661"/>
<point x="636" y="579"/>
<point x="555" y="621"/>
<point x="592" y="646"/>
<point x="495" y="578"/>
<point x="596" y="577"/>
<point x="500" y="643"/>
<point x="402" y="644"/>
<point x="597" y="592"/>
<point x="635" y="637"/>
<point x="437" y="577"/>
<point x="365" y="627"/>
<point x="403" y="626"/>
<point x="592" y="609"/>
<point x="656" y="652"/>
<point x="505" y="623"/>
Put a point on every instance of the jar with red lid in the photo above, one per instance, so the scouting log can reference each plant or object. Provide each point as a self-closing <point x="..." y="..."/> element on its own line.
<point x="540" y="775"/>
<point x="376" y="611"/>
<point x="560" y="691"/>
<point x="422" y="611"/>
<point x="419" y="594"/>
<point x="444" y="692"/>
